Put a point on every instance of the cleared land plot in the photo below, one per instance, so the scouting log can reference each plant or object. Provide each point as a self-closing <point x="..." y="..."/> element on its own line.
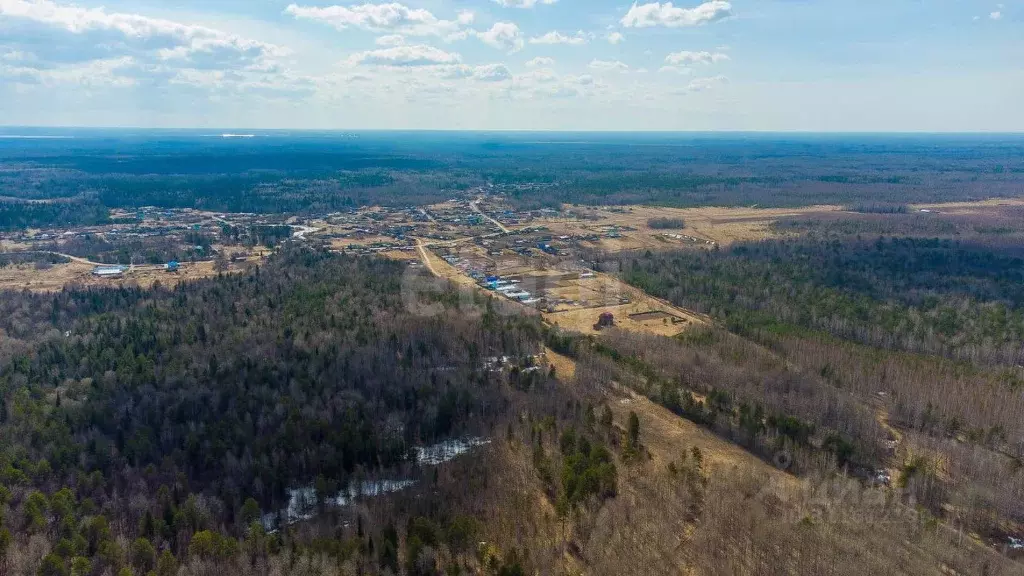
<point x="582" y="318"/>
<point x="724" y="226"/>
<point x="51" y="279"/>
<point x="704" y="226"/>
<point x="59" y="276"/>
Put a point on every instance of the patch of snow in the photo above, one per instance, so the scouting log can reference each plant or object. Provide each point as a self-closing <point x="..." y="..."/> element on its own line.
<point x="302" y="502"/>
<point x="448" y="450"/>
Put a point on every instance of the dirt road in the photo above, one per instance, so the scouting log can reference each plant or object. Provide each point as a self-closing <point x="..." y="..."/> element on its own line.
<point x="477" y="209"/>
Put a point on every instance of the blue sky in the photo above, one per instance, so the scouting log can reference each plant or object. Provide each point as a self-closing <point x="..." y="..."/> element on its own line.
<point x="814" y="65"/>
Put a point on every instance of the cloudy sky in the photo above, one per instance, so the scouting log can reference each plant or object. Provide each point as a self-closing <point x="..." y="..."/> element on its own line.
<point x="820" y="65"/>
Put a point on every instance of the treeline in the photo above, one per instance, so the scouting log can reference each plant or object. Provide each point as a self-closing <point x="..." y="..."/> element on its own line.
<point x="264" y="193"/>
<point x="40" y="259"/>
<point x="189" y="247"/>
<point x="666" y="223"/>
<point x="872" y="225"/>
<point x="16" y="215"/>
<point x="138" y="424"/>
<point x="268" y="235"/>
<point x="879" y="208"/>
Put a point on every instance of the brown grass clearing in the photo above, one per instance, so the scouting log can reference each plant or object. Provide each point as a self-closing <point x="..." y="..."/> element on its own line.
<point x="666" y="435"/>
<point x="79" y="274"/>
<point x="582" y="319"/>
<point x="720" y="225"/>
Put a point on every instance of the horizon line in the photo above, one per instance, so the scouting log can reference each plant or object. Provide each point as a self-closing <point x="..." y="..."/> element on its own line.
<point x="228" y="130"/>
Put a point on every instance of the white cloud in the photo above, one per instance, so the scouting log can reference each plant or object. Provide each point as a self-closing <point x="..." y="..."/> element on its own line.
<point x="383" y="18"/>
<point x="555" y="37"/>
<point x="503" y="36"/>
<point x="701" y="84"/>
<point x="546" y="84"/>
<point x="72" y="33"/>
<point x="688" y="57"/>
<point x="658" y="14"/>
<point x="390" y="40"/>
<point x="997" y="15"/>
<point x="608" y="65"/>
<point x="96" y="48"/>
<point x="492" y="73"/>
<point x="485" y="73"/>
<point x="523" y="3"/>
<point x="676" y="69"/>
<point x="113" y="72"/>
<point x="541" y="76"/>
<point x="540" y="61"/>
<point x="615" y="37"/>
<point x="405" y="56"/>
<point x="543" y="83"/>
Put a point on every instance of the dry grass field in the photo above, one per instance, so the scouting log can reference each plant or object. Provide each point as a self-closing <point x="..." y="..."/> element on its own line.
<point x="583" y="319"/>
<point x="51" y="279"/>
<point x="721" y="226"/>
<point x="602" y="294"/>
<point x="77" y="273"/>
<point x="665" y="434"/>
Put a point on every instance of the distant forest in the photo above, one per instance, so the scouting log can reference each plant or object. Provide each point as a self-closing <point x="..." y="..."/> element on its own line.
<point x="329" y="173"/>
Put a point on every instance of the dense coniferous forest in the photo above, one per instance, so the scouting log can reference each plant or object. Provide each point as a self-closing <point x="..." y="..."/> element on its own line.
<point x="16" y="214"/>
<point x="920" y="295"/>
<point x="158" y="414"/>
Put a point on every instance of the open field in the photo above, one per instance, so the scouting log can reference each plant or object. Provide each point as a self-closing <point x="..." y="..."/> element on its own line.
<point x="629" y="229"/>
<point x="54" y="278"/>
<point x="77" y="273"/>
<point x="640" y="313"/>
